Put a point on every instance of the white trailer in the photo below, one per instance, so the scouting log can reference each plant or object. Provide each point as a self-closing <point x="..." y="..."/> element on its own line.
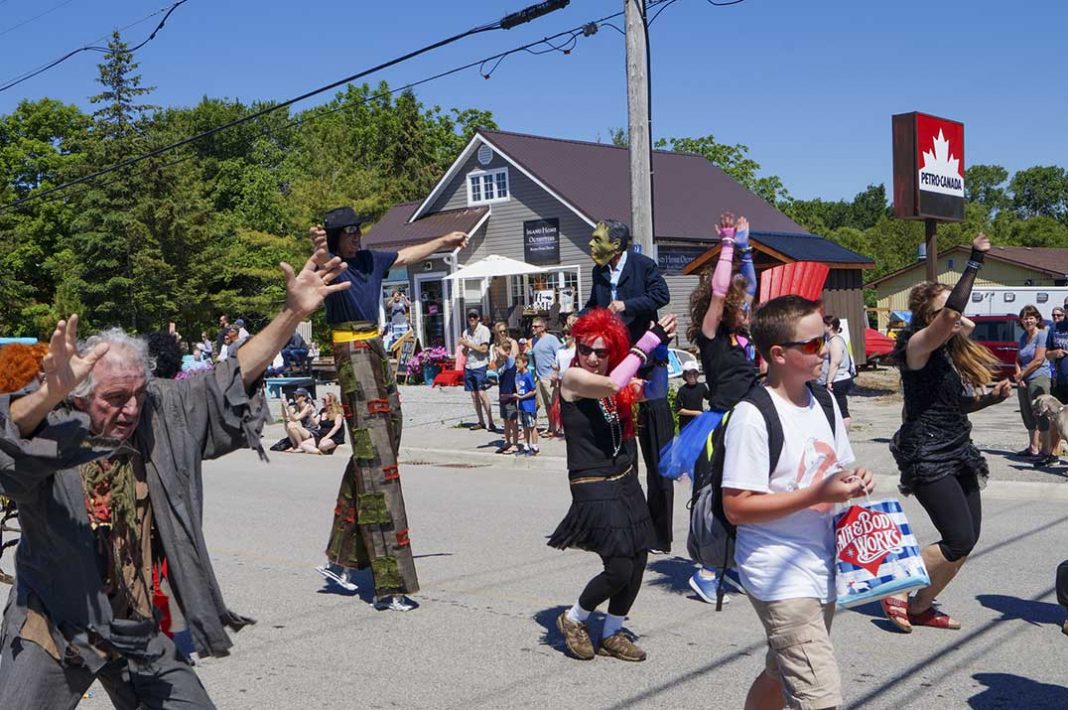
<point x="1001" y="300"/>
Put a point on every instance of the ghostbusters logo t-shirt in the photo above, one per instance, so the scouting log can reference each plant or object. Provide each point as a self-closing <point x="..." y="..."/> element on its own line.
<point x="792" y="557"/>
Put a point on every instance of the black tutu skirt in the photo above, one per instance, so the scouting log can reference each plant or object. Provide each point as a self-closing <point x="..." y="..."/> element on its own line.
<point x="610" y="518"/>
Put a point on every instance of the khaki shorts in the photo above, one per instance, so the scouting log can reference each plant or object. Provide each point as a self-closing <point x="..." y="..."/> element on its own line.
<point x="800" y="652"/>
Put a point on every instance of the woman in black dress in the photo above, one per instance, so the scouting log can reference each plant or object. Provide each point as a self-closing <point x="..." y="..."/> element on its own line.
<point x="933" y="448"/>
<point x="608" y="513"/>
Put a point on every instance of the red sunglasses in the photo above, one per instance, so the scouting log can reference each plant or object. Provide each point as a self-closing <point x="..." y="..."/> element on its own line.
<point x="809" y="347"/>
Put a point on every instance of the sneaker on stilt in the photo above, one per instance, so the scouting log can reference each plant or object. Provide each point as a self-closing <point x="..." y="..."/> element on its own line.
<point x="339" y="575"/>
<point x="395" y="602"/>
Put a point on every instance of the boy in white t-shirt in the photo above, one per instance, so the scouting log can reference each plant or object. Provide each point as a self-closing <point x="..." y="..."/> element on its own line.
<point x="785" y="548"/>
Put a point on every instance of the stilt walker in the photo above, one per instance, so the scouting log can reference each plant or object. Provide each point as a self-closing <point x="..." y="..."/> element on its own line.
<point x="370" y="527"/>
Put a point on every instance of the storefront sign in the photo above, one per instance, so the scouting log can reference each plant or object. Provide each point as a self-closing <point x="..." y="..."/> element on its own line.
<point x="671" y="260"/>
<point x="541" y="241"/>
<point x="928" y="167"/>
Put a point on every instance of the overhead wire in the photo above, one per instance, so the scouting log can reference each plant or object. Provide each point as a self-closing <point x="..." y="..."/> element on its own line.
<point x="35" y="17"/>
<point x="571" y="34"/>
<point x="15" y="81"/>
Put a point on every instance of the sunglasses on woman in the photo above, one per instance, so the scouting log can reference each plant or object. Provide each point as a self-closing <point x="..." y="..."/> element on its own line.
<point x="809" y="347"/>
<point x="1058" y="315"/>
<point x="585" y="351"/>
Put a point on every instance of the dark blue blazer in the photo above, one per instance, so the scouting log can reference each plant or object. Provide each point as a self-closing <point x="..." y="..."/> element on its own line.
<point x="641" y="288"/>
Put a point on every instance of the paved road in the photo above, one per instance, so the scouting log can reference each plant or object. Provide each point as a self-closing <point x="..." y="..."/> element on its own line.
<point x="484" y="637"/>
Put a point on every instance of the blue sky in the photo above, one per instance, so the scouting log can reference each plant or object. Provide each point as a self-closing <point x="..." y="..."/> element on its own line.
<point x="808" y="86"/>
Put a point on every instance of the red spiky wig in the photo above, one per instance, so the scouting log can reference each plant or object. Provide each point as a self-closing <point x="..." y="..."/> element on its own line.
<point x="19" y="364"/>
<point x="602" y="323"/>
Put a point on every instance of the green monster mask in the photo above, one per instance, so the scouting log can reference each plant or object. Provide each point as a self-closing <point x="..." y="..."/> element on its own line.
<point x="602" y="249"/>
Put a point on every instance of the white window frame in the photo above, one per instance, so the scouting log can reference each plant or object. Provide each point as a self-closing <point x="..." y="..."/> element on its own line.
<point x="494" y="176"/>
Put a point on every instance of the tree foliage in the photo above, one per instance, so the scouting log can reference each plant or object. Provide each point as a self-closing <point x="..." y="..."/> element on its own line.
<point x="199" y="230"/>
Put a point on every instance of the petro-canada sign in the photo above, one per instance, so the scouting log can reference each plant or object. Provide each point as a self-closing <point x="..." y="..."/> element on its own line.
<point x="928" y="167"/>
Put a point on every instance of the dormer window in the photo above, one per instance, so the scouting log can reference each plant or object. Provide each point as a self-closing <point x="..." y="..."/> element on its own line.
<point x="487" y="186"/>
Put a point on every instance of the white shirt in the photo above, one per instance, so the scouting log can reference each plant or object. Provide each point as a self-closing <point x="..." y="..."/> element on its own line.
<point x="615" y="272"/>
<point x="792" y="557"/>
<point x="564" y="358"/>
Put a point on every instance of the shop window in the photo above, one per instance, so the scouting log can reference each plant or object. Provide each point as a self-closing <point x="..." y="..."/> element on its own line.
<point x="487" y="186"/>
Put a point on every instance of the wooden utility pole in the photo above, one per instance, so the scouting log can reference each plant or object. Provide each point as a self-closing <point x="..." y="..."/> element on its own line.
<point x="640" y="140"/>
<point x="931" y="239"/>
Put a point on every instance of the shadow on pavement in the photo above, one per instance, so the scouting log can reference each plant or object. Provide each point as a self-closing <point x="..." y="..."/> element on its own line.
<point x="672" y="573"/>
<point x="1029" y="610"/>
<point x="550" y="635"/>
<point x="362" y="578"/>
<point x="1004" y="690"/>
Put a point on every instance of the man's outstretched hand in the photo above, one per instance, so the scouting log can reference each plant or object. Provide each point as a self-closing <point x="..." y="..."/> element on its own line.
<point x="306" y="289"/>
<point x="64" y="369"/>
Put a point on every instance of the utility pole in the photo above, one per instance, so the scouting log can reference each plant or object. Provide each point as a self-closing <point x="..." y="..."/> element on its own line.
<point x="640" y="140"/>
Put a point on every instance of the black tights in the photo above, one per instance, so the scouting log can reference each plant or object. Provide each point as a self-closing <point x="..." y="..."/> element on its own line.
<point x="620" y="582"/>
<point x="953" y="504"/>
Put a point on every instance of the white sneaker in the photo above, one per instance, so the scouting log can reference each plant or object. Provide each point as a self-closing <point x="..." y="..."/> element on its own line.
<point x="338" y="575"/>
<point x="395" y="602"/>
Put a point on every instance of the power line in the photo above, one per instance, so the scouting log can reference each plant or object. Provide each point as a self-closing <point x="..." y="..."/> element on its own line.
<point x="586" y="30"/>
<point x="35" y="17"/>
<point x="89" y="48"/>
<point x="512" y="20"/>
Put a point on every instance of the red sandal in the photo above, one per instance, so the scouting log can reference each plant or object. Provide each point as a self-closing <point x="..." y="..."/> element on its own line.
<point x="897" y="614"/>
<point x="935" y="619"/>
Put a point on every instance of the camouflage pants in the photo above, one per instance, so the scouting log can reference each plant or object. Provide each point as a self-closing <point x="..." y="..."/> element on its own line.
<point x="370" y="525"/>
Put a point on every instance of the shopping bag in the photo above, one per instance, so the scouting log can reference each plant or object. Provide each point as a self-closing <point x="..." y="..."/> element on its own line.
<point x="878" y="555"/>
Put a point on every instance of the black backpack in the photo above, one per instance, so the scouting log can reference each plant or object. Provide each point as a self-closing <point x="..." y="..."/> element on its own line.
<point x="712" y="536"/>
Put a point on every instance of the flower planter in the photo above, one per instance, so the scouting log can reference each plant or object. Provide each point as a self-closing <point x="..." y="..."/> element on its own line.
<point x="430" y="371"/>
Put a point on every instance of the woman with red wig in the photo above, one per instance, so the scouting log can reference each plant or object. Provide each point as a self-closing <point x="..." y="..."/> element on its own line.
<point x="608" y="513"/>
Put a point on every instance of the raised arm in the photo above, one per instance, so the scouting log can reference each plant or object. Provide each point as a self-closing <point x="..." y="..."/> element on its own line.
<point x="305" y="292"/>
<point x="418" y="252"/>
<point x="63" y="370"/>
<point x="947" y="321"/>
<point x="579" y="383"/>
<point x="721" y="276"/>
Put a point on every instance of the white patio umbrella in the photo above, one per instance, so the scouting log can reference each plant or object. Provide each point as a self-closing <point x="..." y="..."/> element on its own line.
<point x="494" y="265"/>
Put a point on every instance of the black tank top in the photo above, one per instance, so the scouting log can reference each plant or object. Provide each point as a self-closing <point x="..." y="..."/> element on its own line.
<point x="589" y="441"/>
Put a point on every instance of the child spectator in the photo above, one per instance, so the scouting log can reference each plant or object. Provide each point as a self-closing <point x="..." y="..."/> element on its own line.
<point x="690" y="398"/>
<point x="785" y="549"/>
<point x="504" y="364"/>
<point x="525" y="393"/>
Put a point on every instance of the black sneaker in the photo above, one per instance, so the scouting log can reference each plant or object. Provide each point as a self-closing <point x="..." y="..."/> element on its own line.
<point x="1047" y="460"/>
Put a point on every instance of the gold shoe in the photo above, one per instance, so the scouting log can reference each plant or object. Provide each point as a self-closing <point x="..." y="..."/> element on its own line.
<point x="576" y="637"/>
<point x="618" y="645"/>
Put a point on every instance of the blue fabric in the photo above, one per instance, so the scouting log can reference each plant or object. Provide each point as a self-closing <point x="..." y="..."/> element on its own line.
<point x="679" y="456"/>
<point x="641" y="287"/>
<point x="360" y="301"/>
<point x="656" y="387"/>
<point x="1026" y="354"/>
<point x="544" y="354"/>
<point x="1058" y="340"/>
<point x="506" y="379"/>
<point x="474" y="379"/>
<point x="524" y="383"/>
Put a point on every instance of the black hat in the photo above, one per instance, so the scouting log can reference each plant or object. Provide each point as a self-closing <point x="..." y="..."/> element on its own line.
<point x="342" y="217"/>
<point x="335" y="221"/>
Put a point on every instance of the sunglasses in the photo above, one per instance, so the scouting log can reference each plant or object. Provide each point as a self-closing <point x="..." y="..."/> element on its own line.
<point x="1058" y="315"/>
<point x="585" y="351"/>
<point x="351" y="229"/>
<point x="809" y="347"/>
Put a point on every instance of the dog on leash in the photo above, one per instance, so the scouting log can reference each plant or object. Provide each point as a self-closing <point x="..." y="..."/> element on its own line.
<point x="1049" y="407"/>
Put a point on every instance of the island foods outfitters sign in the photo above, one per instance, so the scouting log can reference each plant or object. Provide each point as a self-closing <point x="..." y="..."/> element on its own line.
<point x="928" y="167"/>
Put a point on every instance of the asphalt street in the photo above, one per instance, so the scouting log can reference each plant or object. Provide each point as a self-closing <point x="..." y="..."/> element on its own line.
<point x="484" y="636"/>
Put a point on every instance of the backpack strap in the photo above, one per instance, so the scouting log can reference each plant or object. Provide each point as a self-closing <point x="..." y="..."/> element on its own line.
<point x="761" y="399"/>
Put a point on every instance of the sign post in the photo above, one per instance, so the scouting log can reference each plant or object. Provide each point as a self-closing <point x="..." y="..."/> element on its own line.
<point x="405" y="348"/>
<point x="928" y="175"/>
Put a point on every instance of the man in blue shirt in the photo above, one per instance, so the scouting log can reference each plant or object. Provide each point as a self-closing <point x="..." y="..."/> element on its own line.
<point x="544" y="350"/>
<point x="370" y="523"/>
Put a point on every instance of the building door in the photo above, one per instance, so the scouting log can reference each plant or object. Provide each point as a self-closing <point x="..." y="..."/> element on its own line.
<point x="432" y="309"/>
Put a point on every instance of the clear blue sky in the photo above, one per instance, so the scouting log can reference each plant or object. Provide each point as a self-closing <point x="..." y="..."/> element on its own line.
<point x="809" y="86"/>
